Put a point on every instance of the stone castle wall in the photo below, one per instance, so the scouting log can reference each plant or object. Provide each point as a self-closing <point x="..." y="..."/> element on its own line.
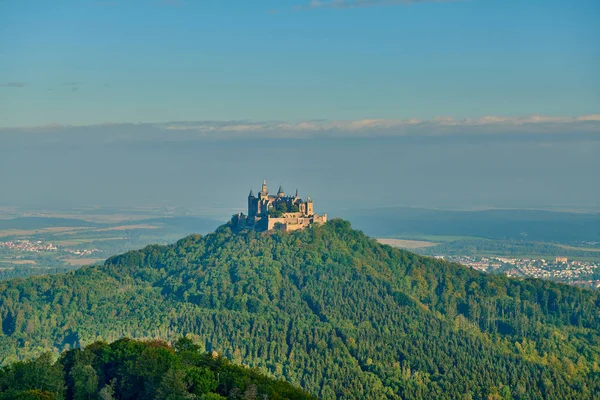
<point x="294" y="221"/>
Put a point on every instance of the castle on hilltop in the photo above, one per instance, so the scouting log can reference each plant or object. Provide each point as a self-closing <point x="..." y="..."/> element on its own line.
<point x="287" y="213"/>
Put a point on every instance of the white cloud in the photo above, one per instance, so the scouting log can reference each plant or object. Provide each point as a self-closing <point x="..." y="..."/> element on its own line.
<point x="367" y="125"/>
<point x="14" y="84"/>
<point x="216" y="130"/>
<point x="593" y="117"/>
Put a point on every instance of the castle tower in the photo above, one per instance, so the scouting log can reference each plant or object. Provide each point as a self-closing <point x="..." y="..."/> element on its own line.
<point x="252" y="204"/>
<point x="264" y="192"/>
<point x="280" y="192"/>
<point x="309" y="206"/>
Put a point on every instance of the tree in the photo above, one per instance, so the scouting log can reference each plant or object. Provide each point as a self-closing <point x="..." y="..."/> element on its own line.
<point x="107" y="392"/>
<point x="85" y="381"/>
<point x="129" y="369"/>
<point x="186" y="344"/>
<point x="174" y="386"/>
<point x="201" y="380"/>
<point x="40" y="374"/>
<point x="251" y="393"/>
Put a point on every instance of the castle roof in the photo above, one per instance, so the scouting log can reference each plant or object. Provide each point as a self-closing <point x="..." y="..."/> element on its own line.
<point x="280" y="190"/>
<point x="251" y="193"/>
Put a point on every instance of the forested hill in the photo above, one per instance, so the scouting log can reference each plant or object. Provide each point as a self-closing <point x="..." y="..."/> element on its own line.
<point x="138" y="370"/>
<point x="328" y="309"/>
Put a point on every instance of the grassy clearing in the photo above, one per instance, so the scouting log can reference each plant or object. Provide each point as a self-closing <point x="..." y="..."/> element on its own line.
<point x="75" y="242"/>
<point x="120" y="228"/>
<point x="566" y="247"/>
<point x="18" y="262"/>
<point x="102" y="218"/>
<point x="82" y="261"/>
<point x="437" y="238"/>
<point x="57" y="229"/>
<point x="126" y="228"/>
<point x="406" y="244"/>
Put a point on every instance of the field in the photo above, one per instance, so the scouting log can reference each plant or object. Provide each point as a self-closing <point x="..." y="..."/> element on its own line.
<point x="19" y="262"/>
<point x="41" y="231"/>
<point x="82" y="238"/>
<point x="591" y="249"/>
<point x="406" y="244"/>
<point x="82" y="261"/>
<point x="439" y="238"/>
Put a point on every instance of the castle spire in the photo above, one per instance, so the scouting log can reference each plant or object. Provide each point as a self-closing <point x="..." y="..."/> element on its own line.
<point x="251" y="193"/>
<point x="296" y="193"/>
<point x="264" y="187"/>
<point x="280" y="192"/>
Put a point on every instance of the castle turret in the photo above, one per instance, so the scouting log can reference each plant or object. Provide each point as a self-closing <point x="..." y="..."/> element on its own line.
<point x="252" y="204"/>
<point x="280" y="192"/>
<point x="264" y="193"/>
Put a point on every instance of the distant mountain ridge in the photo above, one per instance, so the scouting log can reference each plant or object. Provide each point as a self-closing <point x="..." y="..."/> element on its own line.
<point x="43" y="222"/>
<point x="538" y="225"/>
<point x="191" y="223"/>
<point x="328" y="309"/>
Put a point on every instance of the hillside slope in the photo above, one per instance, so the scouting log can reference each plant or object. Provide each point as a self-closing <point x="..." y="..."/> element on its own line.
<point x="328" y="309"/>
<point x="137" y="370"/>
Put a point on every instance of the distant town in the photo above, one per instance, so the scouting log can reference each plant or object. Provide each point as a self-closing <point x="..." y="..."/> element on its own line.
<point x="560" y="269"/>
<point x="38" y="246"/>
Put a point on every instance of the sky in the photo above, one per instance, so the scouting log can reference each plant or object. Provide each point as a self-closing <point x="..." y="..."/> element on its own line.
<point x="88" y="62"/>
<point x="470" y="103"/>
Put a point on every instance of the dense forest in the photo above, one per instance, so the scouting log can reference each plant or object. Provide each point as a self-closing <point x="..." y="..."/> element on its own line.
<point x="328" y="309"/>
<point x="129" y="369"/>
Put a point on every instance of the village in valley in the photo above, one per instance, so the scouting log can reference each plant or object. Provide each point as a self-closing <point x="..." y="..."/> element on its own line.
<point x="559" y="269"/>
<point x="37" y="246"/>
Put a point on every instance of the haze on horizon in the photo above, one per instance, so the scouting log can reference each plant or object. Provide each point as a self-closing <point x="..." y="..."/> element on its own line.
<point x="360" y="104"/>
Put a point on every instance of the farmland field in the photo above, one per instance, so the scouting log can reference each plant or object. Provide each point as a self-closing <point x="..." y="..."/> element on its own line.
<point x="40" y="243"/>
<point x="406" y="244"/>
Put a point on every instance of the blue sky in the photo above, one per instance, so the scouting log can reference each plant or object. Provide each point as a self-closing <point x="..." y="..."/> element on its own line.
<point x="452" y="104"/>
<point x="93" y="62"/>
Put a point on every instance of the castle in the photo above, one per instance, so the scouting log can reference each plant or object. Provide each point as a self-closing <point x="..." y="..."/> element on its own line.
<point x="287" y="213"/>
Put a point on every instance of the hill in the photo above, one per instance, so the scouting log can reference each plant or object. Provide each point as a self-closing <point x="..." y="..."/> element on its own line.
<point x="129" y="369"/>
<point x="328" y="309"/>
